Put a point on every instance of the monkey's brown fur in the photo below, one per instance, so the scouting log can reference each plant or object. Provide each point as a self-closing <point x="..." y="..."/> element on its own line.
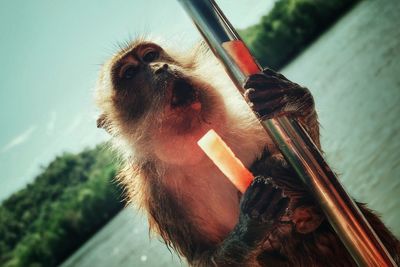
<point x="156" y="103"/>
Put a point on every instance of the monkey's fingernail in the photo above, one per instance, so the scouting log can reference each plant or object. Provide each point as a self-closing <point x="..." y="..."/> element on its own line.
<point x="250" y="91"/>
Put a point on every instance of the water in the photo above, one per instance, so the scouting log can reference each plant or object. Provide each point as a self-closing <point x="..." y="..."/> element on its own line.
<point x="123" y="242"/>
<point x="353" y="72"/>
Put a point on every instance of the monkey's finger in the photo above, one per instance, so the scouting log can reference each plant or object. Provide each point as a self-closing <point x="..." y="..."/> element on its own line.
<point x="271" y="106"/>
<point x="259" y="189"/>
<point x="262" y="82"/>
<point x="274" y="98"/>
<point x="252" y="194"/>
<point x="247" y="93"/>
<point x="277" y="210"/>
<point x="262" y="95"/>
<point x="270" y="72"/>
<point x="263" y="201"/>
<point x="273" y="204"/>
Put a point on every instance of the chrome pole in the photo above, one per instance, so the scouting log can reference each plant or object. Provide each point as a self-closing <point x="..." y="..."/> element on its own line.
<point x="293" y="141"/>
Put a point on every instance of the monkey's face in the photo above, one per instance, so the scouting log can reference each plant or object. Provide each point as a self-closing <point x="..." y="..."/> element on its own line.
<point x="156" y="96"/>
<point x="146" y="79"/>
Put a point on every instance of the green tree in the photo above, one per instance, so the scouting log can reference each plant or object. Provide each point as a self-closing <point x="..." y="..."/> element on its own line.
<point x="67" y="203"/>
<point x="290" y="27"/>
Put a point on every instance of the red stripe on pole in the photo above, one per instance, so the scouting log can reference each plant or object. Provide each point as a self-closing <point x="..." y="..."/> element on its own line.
<point x="242" y="57"/>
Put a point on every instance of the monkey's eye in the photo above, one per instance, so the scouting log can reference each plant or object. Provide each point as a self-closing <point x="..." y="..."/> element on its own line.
<point x="128" y="72"/>
<point x="150" y="56"/>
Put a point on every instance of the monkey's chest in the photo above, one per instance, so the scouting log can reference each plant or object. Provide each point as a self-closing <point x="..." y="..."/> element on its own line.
<point x="212" y="202"/>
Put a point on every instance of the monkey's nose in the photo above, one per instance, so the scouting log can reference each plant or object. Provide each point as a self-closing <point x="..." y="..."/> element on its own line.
<point x="162" y="69"/>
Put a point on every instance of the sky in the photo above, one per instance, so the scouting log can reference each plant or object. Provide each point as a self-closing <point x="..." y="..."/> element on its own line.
<point x="50" y="55"/>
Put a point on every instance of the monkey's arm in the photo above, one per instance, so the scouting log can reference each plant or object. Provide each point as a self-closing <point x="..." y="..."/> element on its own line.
<point x="261" y="208"/>
<point x="271" y="94"/>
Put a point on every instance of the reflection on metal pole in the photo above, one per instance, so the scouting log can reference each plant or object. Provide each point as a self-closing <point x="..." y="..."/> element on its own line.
<point x="293" y="141"/>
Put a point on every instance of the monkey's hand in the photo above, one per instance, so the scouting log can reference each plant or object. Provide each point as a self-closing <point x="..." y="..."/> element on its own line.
<point x="271" y="95"/>
<point x="261" y="209"/>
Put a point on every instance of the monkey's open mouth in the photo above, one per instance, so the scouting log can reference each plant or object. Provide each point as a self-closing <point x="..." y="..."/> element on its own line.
<point x="183" y="94"/>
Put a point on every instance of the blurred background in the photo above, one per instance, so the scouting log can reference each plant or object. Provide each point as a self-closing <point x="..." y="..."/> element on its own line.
<point x="59" y="204"/>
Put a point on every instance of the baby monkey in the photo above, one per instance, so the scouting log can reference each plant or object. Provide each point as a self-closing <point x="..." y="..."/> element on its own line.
<point x="157" y="102"/>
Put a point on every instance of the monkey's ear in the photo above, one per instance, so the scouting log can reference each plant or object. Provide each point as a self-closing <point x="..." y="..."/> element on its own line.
<point x="102" y="122"/>
<point x="306" y="219"/>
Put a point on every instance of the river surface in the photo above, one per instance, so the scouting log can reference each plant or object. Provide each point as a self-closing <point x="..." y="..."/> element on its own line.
<point x="353" y="71"/>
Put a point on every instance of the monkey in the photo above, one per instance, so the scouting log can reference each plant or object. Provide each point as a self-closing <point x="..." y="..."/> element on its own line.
<point x="156" y="103"/>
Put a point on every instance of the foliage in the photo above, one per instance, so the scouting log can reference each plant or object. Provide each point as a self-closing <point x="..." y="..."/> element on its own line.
<point x="66" y="204"/>
<point x="290" y="27"/>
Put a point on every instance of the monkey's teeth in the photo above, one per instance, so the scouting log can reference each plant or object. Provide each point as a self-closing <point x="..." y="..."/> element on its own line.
<point x="174" y="100"/>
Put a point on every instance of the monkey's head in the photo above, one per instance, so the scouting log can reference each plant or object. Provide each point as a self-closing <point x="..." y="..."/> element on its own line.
<point x="159" y="102"/>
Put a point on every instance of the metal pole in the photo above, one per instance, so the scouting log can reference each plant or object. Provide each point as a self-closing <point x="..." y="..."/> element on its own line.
<point x="293" y="141"/>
